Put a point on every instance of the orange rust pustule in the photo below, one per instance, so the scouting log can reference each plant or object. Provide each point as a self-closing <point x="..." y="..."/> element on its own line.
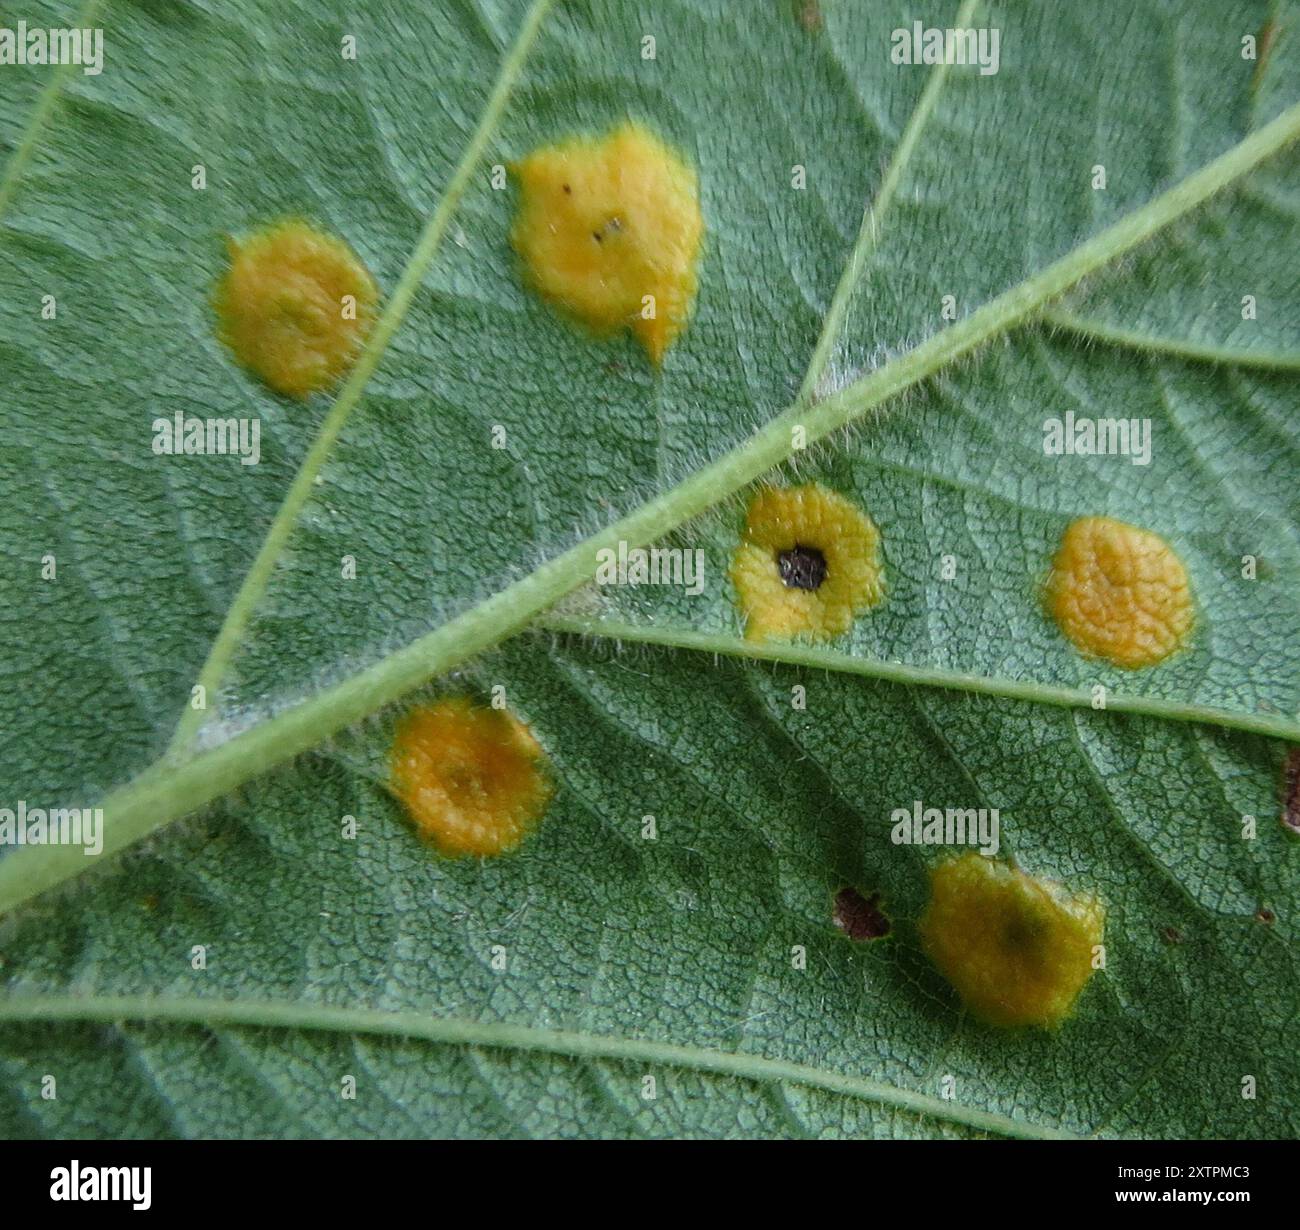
<point x="295" y="306"/>
<point x="807" y="565"/>
<point x="474" y="779"/>
<point x="609" y="230"/>
<point x="1017" y="949"/>
<point x="1119" y="592"/>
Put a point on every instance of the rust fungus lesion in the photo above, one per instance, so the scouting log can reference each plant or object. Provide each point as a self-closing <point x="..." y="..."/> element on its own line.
<point x="1017" y="949"/>
<point x="609" y="230"/>
<point x="295" y="306"/>
<point x="1119" y="592"/>
<point x="807" y="565"/>
<point x="473" y="779"/>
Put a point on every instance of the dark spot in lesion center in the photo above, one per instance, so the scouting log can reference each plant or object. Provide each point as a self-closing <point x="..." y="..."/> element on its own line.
<point x="802" y="567"/>
<point x="859" y="917"/>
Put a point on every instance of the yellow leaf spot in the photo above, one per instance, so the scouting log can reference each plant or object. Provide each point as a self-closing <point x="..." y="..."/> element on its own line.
<point x="473" y="778"/>
<point x="1119" y="592"/>
<point x="295" y="306"/>
<point x="807" y="564"/>
<point x="609" y="230"/>
<point x="1018" y="950"/>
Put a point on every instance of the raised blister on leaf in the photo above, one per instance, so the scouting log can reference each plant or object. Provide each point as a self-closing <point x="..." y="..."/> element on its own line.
<point x="295" y="306"/>
<point x="609" y="230"/>
<point x="474" y="779"/>
<point x="1120" y="592"/>
<point x="807" y="564"/>
<point x="1017" y="949"/>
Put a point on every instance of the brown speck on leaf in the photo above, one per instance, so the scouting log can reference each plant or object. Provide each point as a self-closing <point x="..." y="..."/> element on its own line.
<point x="1171" y="935"/>
<point x="808" y="13"/>
<point x="859" y="917"/>
<point x="1265" y="915"/>
<point x="1264" y="43"/>
<point x="1291" y="792"/>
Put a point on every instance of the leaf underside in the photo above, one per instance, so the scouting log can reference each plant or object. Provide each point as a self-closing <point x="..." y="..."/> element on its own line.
<point x="626" y="957"/>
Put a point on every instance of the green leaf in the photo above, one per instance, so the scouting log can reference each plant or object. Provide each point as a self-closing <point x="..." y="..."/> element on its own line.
<point x="534" y="994"/>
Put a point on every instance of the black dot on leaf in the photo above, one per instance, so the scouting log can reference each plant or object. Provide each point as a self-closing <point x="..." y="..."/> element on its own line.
<point x="859" y="917"/>
<point x="802" y="567"/>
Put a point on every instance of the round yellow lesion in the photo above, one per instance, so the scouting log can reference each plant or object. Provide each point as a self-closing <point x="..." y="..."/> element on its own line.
<point x="473" y="779"/>
<point x="295" y="306"/>
<point x="784" y="589"/>
<point x="609" y="230"/>
<point x="1120" y="592"/>
<point x="1017" y="949"/>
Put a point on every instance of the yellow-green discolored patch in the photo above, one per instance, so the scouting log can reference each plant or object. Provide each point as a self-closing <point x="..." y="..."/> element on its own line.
<point x="295" y="306"/>
<point x="1119" y="592"/>
<point x="807" y="565"/>
<point x="474" y="779"/>
<point x="1018" y="950"/>
<point x="609" y="230"/>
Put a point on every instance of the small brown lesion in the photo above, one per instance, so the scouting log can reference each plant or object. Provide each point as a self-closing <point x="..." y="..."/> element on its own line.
<point x="1171" y="935"/>
<point x="808" y="13"/>
<point x="1291" y="791"/>
<point x="1265" y="41"/>
<point x="860" y="918"/>
<point x="1265" y="915"/>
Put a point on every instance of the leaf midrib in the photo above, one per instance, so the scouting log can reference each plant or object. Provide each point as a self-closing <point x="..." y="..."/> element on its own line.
<point x="269" y="1014"/>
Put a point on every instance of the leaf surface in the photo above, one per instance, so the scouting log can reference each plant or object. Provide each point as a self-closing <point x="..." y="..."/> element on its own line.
<point x="626" y="958"/>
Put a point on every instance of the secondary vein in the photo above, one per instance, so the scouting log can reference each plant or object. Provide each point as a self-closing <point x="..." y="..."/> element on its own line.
<point x="40" y="115"/>
<point x="1099" y="331"/>
<point x="792" y="654"/>
<point x="874" y="215"/>
<point x="259" y="574"/>
<point x="460" y="1032"/>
